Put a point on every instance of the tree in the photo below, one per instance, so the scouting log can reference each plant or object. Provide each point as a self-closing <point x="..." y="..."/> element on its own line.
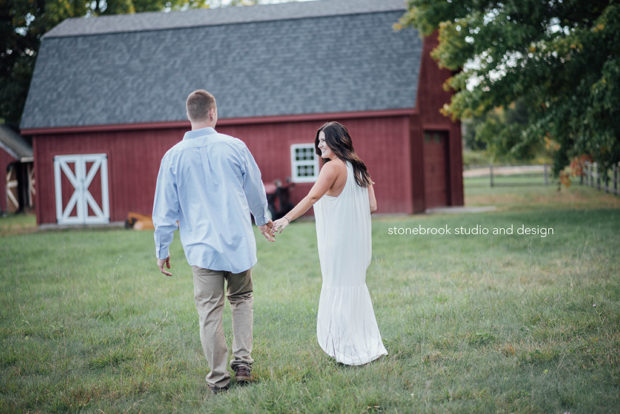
<point x="499" y="132"/>
<point x="558" y="58"/>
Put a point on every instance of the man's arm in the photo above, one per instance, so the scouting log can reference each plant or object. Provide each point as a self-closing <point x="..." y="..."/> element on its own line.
<point x="165" y="214"/>
<point x="255" y="194"/>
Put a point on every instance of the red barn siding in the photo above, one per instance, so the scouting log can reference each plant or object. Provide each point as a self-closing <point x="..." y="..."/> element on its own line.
<point x="380" y="142"/>
<point x="416" y="154"/>
<point x="133" y="162"/>
<point x="134" y="157"/>
<point x="436" y="169"/>
<point x="431" y="98"/>
<point x="384" y="146"/>
<point x="431" y="95"/>
<point x="37" y="201"/>
<point x="455" y="154"/>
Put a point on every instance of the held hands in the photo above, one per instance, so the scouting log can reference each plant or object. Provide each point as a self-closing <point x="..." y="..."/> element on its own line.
<point x="272" y="228"/>
<point x="267" y="231"/>
<point x="161" y="263"/>
<point x="280" y="224"/>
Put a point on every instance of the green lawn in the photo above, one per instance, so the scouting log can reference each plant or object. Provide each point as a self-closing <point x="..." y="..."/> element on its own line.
<point x="478" y="323"/>
<point x="528" y="192"/>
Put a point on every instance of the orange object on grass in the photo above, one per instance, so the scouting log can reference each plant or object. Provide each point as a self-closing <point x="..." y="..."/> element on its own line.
<point x="138" y="221"/>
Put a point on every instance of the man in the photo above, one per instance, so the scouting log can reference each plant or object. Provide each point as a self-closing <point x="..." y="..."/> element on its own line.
<point x="209" y="183"/>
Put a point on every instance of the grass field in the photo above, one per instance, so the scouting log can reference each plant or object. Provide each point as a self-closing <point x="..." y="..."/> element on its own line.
<point x="472" y="323"/>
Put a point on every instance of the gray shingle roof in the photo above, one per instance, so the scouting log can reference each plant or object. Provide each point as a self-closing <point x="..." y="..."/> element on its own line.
<point x="285" y="59"/>
<point x="14" y="144"/>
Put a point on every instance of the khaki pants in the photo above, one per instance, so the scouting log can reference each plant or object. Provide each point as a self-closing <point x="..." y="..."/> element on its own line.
<point x="209" y="299"/>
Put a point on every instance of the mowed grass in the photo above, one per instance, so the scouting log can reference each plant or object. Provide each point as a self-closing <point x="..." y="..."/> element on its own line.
<point x="528" y="192"/>
<point x="472" y="323"/>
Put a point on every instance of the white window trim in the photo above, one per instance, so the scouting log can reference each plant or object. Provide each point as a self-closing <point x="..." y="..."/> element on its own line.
<point x="295" y="164"/>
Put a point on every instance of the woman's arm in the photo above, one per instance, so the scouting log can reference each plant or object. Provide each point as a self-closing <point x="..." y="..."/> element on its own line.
<point x="372" y="199"/>
<point x="327" y="177"/>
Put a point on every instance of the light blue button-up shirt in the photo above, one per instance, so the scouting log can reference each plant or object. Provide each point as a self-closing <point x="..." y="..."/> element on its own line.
<point x="210" y="183"/>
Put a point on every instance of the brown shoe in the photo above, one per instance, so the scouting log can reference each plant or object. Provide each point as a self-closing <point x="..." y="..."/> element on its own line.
<point x="243" y="374"/>
<point x="216" y="390"/>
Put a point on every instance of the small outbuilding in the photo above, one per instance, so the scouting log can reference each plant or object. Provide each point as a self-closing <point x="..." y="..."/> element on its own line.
<point x="16" y="163"/>
<point x="107" y="100"/>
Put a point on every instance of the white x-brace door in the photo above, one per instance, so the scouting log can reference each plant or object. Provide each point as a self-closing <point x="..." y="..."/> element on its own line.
<point x="81" y="180"/>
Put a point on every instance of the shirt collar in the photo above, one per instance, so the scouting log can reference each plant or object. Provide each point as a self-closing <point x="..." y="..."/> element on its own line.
<point x="199" y="133"/>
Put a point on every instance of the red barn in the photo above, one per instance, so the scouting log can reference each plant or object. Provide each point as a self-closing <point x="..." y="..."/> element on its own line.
<point x="107" y="99"/>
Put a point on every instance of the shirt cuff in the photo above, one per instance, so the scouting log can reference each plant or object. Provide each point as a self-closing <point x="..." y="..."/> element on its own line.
<point x="261" y="221"/>
<point x="162" y="252"/>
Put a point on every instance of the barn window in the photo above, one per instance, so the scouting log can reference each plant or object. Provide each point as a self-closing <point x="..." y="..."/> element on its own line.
<point x="437" y="136"/>
<point x="304" y="162"/>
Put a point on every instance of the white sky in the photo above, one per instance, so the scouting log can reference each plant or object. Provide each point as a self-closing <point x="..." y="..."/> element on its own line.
<point x="220" y="3"/>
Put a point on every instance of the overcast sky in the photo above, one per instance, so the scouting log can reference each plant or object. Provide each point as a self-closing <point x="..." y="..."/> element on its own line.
<point x="227" y="2"/>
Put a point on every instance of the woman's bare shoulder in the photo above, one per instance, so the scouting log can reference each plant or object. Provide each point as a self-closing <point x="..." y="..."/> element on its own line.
<point x="336" y="166"/>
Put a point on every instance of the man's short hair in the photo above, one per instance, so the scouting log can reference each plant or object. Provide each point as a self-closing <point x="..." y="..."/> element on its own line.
<point x="198" y="104"/>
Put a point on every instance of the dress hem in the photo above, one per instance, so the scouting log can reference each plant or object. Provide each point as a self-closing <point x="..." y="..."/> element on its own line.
<point x="356" y="363"/>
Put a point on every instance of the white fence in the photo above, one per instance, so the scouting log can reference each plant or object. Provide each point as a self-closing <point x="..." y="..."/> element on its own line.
<point x="512" y="175"/>
<point x="598" y="179"/>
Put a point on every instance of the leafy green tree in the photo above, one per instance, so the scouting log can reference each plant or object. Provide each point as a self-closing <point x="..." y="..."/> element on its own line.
<point x="22" y="23"/>
<point x="499" y="132"/>
<point x="558" y="58"/>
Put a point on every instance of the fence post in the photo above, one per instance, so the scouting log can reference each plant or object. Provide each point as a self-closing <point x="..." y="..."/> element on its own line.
<point x="491" y="173"/>
<point x="616" y="179"/>
<point x="546" y="174"/>
<point x="606" y="181"/>
<point x="598" y="177"/>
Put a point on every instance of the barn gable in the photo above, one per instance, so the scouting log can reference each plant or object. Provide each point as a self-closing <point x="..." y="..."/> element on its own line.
<point x="273" y="60"/>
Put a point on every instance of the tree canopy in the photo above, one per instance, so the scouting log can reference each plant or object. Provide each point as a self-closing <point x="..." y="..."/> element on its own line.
<point x="559" y="59"/>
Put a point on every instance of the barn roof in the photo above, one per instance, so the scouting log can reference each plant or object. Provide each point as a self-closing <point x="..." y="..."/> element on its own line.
<point x="325" y="56"/>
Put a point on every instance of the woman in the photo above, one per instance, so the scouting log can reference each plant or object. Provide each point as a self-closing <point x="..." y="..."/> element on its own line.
<point x="343" y="198"/>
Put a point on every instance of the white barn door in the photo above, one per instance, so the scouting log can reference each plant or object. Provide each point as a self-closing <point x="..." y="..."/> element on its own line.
<point x="79" y="171"/>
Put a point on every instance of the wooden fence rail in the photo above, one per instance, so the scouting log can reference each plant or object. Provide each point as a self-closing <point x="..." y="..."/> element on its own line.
<point x="496" y="171"/>
<point x="607" y="182"/>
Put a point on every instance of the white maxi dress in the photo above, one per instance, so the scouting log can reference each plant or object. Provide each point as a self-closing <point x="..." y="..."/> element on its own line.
<point x="346" y="325"/>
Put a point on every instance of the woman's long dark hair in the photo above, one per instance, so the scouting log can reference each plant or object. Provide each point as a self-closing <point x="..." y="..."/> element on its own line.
<point x="339" y="141"/>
